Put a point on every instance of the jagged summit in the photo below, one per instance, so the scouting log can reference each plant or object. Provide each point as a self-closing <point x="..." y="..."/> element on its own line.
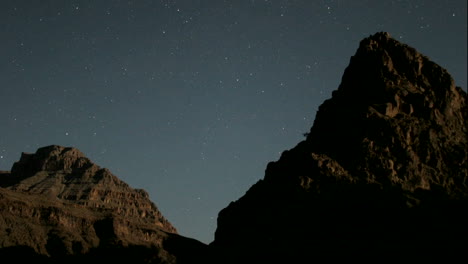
<point x="50" y="158"/>
<point x="65" y="173"/>
<point x="383" y="173"/>
<point x="53" y="158"/>
<point x="382" y="176"/>
<point x="398" y="113"/>
<point x="383" y="62"/>
<point x="58" y="203"/>
<point x="383" y="68"/>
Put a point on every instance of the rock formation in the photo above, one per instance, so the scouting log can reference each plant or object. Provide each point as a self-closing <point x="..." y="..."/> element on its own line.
<point x="382" y="175"/>
<point x="56" y="205"/>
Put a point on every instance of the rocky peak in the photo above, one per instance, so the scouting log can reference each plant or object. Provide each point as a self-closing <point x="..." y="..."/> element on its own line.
<point x="64" y="173"/>
<point x="382" y="64"/>
<point x="57" y="202"/>
<point x="50" y="158"/>
<point x="398" y="113"/>
<point x="382" y="174"/>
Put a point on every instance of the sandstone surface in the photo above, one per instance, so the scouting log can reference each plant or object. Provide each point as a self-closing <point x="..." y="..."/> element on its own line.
<point x="57" y="205"/>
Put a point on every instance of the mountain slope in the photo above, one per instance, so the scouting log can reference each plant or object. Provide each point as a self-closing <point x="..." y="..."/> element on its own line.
<point x="57" y="205"/>
<point x="383" y="173"/>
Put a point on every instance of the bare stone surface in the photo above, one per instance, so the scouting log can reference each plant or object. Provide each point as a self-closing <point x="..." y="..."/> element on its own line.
<point x="382" y="175"/>
<point x="60" y="205"/>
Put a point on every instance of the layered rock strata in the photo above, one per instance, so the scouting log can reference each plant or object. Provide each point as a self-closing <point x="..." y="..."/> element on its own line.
<point x="56" y="204"/>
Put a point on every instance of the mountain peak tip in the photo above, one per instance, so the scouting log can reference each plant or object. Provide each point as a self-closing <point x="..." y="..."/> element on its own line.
<point x="383" y="64"/>
<point x="50" y="158"/>
<point x="57" y="148"/>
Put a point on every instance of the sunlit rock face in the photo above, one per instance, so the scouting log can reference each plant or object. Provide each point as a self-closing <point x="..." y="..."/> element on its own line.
<point x="56" y="204"/>
<point x="383" y="173"/>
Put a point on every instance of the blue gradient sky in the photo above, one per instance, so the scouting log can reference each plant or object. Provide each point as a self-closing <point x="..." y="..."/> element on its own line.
<point x="191" y="99"/>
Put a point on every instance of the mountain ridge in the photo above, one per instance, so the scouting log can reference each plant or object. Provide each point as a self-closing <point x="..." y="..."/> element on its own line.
<point x="381" y="176"/>
<point x="59" y="206"/>
<point x="386" y="153"/>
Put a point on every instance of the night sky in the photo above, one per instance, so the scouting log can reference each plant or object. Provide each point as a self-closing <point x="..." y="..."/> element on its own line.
<point x="190" y="99"/>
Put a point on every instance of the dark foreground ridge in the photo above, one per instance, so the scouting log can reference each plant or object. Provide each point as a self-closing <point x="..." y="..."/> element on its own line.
<point x="382" y="176"/>
<point x="383" y="173"/>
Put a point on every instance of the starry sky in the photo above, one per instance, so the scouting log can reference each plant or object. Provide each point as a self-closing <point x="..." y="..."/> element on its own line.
<point x="190" y="99"/>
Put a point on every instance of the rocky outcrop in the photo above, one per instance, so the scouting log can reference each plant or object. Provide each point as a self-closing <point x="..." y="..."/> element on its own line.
<point x="57" y="205"/>
<point x="397" y="115"/>
<point x="382" y="175"/>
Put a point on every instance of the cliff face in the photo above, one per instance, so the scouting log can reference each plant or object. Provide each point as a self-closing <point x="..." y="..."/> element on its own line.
<point x="59" y="205"/>
<point x="382" y="174"/>
<point x="397" y="117"/>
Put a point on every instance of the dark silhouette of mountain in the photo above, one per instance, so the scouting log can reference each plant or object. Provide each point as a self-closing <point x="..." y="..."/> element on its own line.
<point x="382" y="175"/>
<point x="57" y="206"/>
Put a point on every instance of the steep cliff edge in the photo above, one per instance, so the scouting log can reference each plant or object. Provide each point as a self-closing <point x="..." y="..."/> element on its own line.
<point x="57" y="205"/>
<point x="383" y="173"/>
<point x="382" y="176"/>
